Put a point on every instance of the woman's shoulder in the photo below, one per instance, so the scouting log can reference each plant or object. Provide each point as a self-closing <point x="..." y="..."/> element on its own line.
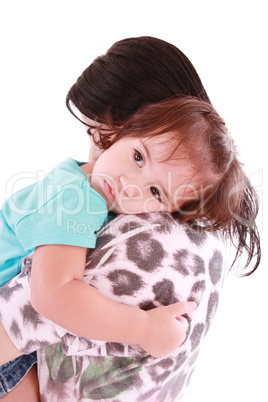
<point x="167" y="230"/>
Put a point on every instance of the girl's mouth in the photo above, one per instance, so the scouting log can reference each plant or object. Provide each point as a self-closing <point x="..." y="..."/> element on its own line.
<point x="109" y="191"/>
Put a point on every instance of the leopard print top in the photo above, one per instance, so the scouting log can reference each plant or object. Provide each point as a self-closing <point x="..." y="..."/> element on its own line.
<point x="145" y="261"/>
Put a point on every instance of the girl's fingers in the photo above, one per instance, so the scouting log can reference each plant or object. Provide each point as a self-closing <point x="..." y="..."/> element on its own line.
<point x="181" y="308"/>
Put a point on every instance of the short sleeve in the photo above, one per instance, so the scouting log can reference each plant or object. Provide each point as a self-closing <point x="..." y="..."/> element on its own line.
<point x="71" y="217"/>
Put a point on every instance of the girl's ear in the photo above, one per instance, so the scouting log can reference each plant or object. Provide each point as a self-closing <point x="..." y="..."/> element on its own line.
<point x="94" y="150"/>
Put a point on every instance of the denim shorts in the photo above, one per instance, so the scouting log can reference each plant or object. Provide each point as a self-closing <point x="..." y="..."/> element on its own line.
<point x="14" y="371"/>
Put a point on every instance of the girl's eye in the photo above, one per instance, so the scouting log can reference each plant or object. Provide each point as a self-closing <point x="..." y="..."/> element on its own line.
<point x="138" y="158"/>
<point x="155" y="193"/>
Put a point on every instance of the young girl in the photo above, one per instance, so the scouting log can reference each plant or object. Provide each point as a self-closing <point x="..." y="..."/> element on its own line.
<point x="175" y="156"/>
<point x="58" y="218"/>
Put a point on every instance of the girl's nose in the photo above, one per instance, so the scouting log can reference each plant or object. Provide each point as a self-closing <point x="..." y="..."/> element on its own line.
<point x="131" y="191"/>
<point x="129" y="188"/>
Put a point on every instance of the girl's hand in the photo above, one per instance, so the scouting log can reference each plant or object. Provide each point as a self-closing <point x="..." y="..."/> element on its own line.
<point x="166" y="329"/>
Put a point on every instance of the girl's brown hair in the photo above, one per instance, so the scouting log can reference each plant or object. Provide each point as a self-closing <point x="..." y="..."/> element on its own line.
<point x="228" y="201"/>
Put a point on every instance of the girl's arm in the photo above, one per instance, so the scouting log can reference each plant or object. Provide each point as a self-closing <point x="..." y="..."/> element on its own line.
<point x="59" y="294"/>
<point x="7" y="349"/>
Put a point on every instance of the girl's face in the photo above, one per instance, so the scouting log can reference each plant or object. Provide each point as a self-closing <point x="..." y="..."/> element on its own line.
<point x="133" y="178"/>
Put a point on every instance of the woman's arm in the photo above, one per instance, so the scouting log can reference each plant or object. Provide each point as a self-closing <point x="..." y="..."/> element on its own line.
<point x="59" y="294"/>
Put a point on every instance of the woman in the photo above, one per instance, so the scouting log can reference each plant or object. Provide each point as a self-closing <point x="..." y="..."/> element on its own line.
<point x="134" y="72"/>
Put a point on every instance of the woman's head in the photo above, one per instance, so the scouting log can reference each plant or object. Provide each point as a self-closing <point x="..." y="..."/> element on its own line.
<point x="140" y="71"/>
<point x="134" y="72"/>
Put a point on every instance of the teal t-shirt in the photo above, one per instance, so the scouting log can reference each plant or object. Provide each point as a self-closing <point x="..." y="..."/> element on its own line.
<point x="60" y="209"/>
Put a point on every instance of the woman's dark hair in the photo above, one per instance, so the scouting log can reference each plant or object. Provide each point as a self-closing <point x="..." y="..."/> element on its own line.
<point x="142" y="71"/>
<point x="134" y="72"/>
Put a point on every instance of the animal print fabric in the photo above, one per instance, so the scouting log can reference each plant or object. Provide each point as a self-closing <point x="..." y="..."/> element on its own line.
<point x="144" y="261"/>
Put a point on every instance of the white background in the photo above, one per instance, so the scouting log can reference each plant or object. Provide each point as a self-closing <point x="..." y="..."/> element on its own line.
<point x="45" y="45"/>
